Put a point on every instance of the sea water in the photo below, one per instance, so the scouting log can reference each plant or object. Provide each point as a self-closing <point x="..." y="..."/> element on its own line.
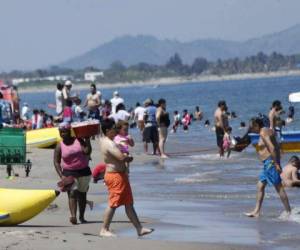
<point x="195" y="195"/>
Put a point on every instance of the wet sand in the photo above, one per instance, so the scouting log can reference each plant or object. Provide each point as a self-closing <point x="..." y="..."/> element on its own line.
<point x="51" y="229"/>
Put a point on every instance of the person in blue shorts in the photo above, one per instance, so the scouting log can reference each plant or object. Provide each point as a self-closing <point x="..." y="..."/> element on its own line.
<point x="269" y="153"/>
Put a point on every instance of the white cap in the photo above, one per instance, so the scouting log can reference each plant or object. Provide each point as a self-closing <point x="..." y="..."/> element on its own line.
<point x="116" y="93"/>
<point x="68" y="83"/>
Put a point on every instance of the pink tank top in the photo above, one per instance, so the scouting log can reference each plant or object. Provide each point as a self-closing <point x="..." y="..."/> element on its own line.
<point x="72" y="157"/>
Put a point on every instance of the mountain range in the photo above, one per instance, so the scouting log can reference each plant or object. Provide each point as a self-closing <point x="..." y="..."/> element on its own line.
<point x="131" y="50"/>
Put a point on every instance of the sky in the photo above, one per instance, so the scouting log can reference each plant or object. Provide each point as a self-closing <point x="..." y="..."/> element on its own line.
<point x="38" y="33"/>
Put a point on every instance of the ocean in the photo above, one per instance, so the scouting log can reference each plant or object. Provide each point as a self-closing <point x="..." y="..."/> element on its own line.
<point x="195" y="195"/>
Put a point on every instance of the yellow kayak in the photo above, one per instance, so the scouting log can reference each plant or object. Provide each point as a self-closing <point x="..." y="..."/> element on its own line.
<point x="42" y="138"/>
<point x="20" y="205"/>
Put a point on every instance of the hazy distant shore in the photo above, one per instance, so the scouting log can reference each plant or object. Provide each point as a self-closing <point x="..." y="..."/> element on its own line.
<point x="167" y="81"/>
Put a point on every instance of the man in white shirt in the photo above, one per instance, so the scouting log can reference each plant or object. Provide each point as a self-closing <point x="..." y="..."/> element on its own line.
<point x="121" y="114"/>
<point x="115" y="101"/>
<point x="25" y="112"/>
<point x="59" y="98"/>
<point x="139" y="116"/>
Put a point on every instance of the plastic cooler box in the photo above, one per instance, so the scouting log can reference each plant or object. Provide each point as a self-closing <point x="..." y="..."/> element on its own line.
<point x="86" y="129"/>
<point x="12" y="146"/>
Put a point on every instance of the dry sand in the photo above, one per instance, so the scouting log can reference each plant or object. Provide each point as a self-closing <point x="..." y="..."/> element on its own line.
<point x="170" y="81"/>
<point x="51" y="229"/>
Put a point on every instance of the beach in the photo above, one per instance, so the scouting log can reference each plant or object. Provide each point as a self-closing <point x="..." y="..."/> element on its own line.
<point x="51" y="229"/>
<point x="193" y="200"/>
<point x="171" y="81"/>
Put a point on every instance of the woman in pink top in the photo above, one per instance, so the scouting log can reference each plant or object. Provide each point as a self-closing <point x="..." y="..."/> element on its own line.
<point x="71" y="159"/>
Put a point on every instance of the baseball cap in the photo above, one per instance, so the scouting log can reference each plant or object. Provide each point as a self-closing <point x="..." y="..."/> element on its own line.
<point x="68" y="83"/>
<point x="116" y="93"/>
<point x="148" y="101"/>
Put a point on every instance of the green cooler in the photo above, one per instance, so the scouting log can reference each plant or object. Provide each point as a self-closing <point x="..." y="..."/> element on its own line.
<point x="13" y="148"/>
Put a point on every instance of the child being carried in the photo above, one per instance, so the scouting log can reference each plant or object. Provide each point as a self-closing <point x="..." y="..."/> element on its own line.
<point x="123" y="139"/>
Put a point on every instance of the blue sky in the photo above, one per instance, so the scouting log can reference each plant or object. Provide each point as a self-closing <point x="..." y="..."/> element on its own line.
<point x="38" y="33"/>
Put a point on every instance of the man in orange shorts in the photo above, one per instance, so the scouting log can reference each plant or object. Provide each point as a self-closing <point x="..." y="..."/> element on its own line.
<point x="117" y="182"/>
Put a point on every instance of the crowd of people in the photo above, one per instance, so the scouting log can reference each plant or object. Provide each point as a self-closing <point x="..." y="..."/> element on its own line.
<point x="269" y="129"/>
<point x="72" y="155"/>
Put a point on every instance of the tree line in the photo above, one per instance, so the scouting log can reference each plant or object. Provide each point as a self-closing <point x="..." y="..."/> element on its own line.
<point x="118" y="72"/>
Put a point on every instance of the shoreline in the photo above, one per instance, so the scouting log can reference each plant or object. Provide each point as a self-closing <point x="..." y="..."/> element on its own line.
<point x="51" y="228"/>
<point x="168" y="81"/>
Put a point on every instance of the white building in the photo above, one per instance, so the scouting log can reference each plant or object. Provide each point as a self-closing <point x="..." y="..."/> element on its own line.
<point x="63" y="78"/>
<point x="92" y="76"/>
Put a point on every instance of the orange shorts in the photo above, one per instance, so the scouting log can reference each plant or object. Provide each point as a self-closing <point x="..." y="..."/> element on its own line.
<point x="119" y="189"/>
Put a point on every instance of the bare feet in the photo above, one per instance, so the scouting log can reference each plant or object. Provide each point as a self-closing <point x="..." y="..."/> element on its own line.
<point x="145" y="231"/>
<point x="106" y="233"/>
<point x="164" y="156"/>
<point x="73" y="220"/>
<point x="91" y="204"/>
<point x="252" y="214"/>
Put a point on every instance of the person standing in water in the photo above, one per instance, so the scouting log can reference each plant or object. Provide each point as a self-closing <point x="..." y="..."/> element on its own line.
<point x="198" y="114"/>
<point x="93" y="102"/>
<point x="269" y="154"/>
<point x="274" y="117"/>
<point x="221" y="123"/>
<point x="117" y="181"/>
<point x="163" y="121"/>
<point x="150" y="132"/>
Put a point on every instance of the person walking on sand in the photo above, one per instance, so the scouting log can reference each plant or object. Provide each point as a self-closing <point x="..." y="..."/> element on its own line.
<point x="117" y="181"/>
<point x="163" y="121"/>
<point x="269" y="154"/>
<point x="66" y="92"/>
<point x="59" y="99"/>
<point x="71" y="159"/>
<point x="221" y="122"/>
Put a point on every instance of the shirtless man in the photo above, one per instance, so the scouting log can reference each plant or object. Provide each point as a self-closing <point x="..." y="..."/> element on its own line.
<point x="93" y="102"/>
<point x="221" y="122"/>
<point x="269" y="153"/>
<point x="274" y="113"/>
<point x="117" y="181"/>
<point x="289" y="174"/>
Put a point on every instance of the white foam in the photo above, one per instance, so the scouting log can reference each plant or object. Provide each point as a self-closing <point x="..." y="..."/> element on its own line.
<point x="294" y="216"/>
<point x="198" y="178"/>
<point x="212" y="157"/>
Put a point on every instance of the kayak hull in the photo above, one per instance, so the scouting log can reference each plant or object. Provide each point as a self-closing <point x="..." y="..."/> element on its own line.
<point x="289" y="141"/>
